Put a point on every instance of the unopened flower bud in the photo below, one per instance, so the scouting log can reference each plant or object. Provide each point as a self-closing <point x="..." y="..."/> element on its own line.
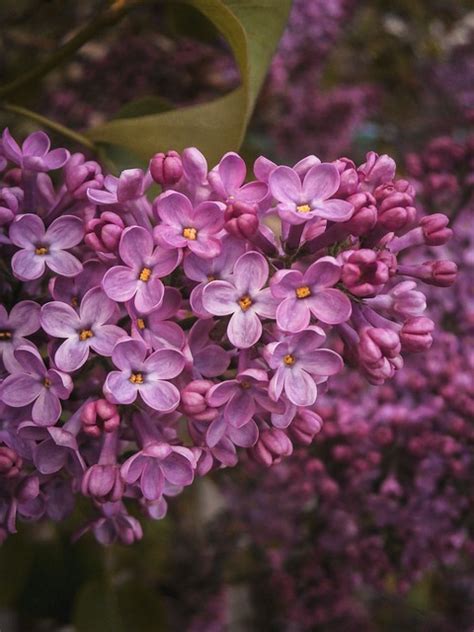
<point x="435" y="229"/>
<point x="81" y="174"/>
<point x="272" y="445"/>
<point x="103" y="233"/>
<point x="10" y="462"/>
<point x="99" y="416"/>
<point x="364" y="273"/>
<point x="103" y="483"/>
<point x="241" y="219"/>
<point x="364" y="217"/>
<point x="194" y="402"/>
<point x="166" y="168"/>
<point x="416" y="334"/>
<point x="395" y="205"/>
<point x="304" y="427"/>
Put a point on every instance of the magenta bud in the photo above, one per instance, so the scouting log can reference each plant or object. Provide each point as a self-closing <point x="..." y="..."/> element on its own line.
<point x="103" y="233"/>
<point x="377" y="170"/>
<point x="304" y="427"/>
<point x="194" y="402"/>
<point x="435" y="229"/>
<point x="10" y="462"/>
<point x="272" y="445"/>
<point x="395" y="205"/>
<point x="441" y="273"/>
<point x="103" y="483"/>
<point x="364" y="217"/>
<point x="99" y="416"/>
<point x="363" y="273"/>
<point x="416" y="334"/>
<point x="166" y="168"/>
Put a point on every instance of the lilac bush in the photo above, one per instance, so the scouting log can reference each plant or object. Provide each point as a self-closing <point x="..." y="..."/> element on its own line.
<point x="145" y="341"/>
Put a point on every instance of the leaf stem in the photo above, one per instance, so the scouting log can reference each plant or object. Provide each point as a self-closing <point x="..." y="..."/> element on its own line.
<point x="57" y="127"/>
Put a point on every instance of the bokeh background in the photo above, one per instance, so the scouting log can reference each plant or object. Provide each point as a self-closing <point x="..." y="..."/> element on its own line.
<point x="372" y="527"/>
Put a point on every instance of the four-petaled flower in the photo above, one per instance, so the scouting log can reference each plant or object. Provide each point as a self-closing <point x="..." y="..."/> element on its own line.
<point x="300" y="201"/>
<point x="312" y="292"/>
<point x="139" y="278"/>
<point x="244" y="298"/>
<point x="299" y="365"/>
<point x="147" y="376"/>
<point x="41" y="248"/>
<point x="24" y="319"/>
<point x="228" y="179"/>
<point x="34" y="154"/>
<point x="90" y="329"/>
<point x="45" y="387"/>
<point x="186" y="226"/>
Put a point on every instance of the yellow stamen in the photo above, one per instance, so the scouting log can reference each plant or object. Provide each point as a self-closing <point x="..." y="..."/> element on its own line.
<point x="145" y="274"/>
<point x="140" y="323"/>
<point x="211" y="278"/>
<point x="289" y="359"/>
<point x="41" y="250"/>
<point x="190" y="233"/>
<point x="303" y="208"/>
<point x="303" y="292"/>
<point x="245" y="385"/>
<point x="5" y="335"/>
<point x="74" y="301"/>
<point x="85" y="334"/>
<point x="245" y="302"/>
<point x="47" y="382"/>
<point x="136" y="378"/>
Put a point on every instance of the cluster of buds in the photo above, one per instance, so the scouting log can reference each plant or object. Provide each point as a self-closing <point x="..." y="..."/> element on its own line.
<point x="146" y="340"/>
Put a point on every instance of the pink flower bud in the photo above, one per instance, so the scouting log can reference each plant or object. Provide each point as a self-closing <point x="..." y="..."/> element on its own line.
<point x="166" y="169"/>
<point x="103" y="483"/>
<point x="241" y="219"/>
<point x="416" y="334"/>
<point x="304" y="427"/>
<point x="99" y="416"/>
<point x="435" y="230"/>
<point x="439" y="273"/>
<point x="272" y="445"/>
<point x="103" y="233"/>
<point x="395" y="205"/>
<point x="10" y="462"/>
<point x="349" y="178"/>
<point x="376" y="170"/>
<point x="364" y="217"/>
<point x="363" y="273"/>
<point x="194" y="402"/>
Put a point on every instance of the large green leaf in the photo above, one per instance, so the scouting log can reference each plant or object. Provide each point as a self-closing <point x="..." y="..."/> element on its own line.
<point x="252" y="29"/>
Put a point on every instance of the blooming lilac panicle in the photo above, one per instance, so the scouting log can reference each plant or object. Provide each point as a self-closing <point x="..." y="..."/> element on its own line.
<point x="123" y="314"/>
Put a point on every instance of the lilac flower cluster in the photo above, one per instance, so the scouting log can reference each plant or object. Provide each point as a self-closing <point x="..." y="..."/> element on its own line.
<point x="144" y="341"/>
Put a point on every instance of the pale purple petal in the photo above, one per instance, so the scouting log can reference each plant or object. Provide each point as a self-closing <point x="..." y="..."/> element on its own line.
<point x="130" y="185"/>
<point x="71" y="354"/>
<point x="322" y="274"/>
<point x="36" y="144"/>
<point x="164" y="261"/>
<point x="120" y="283"/>
<point x="149" y="295"/>
<point x="321" y="182"/>
<point x="285" y="185"/>
<point x="252" y="192"/>
<point x="285" y="283"/>
<point x="174" y="209"/>
<point x="293" y="314"/>
<point x="55" y="159"/>
<point x="220" y="393"/>
<point x="246" y="436"/>
<point x="96" y="308"/>
<point x="20" y="389"/>
<point x="165" y="364"/>
<point x="31" y="361"/>
<point x="26" y="231"/>
<point x="64" y="263"/>
<point x="129" y="354"/>
<point x="164" y="334"/>
<point x="265" y="304"/>
<point x="330" y="306"/>
<point x="118" y="388"/>
<point x="105" y="338"/>
<point x="65" y="232"/>
<point x="46" y="409"/>
<point x="25" y="318"/>
<point x="160" y="395"/>
<point x="220" y="298"/>
<point x="334" y="210"/>
<point x="11" y="149"/>
<point x="59" y="319"/>
<point x="240" y="409"/>
<point x="101" y="197"/>
<point x="152" y="480"/>
<point x="133" y="467"/>
<point x="216" y="431"/>
<point x="167" y="236"/>
<point x="207" y="247"/>
<point x="136" y="245"/>
<point x="177" y="469"/>
<point x="321" y="362"/>
<point x="27" y="266"/>
<point x="244" y="329"/>
<point x="277" y="383"/>
<point x="208" y="217"/>
<point x="211" y="361"/>
<point x="250" y="272"/>
<point x="300" y="387"/>
<point x="232" y="172"/>
<point x="49" y="458"/>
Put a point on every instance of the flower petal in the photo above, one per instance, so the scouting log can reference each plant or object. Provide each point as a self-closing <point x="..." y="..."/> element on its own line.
<point x="59" y="319"/>
<point x="300" y="387"/>
<point x="105" y="338"/>
<point x="64" y="263"/>
<point x="136" y="244"/>
<point x="65" y="232"/>
<point x="36" y="144"/>
<point x="72" y="354"/>
<point x="26" y="230"/>
<point x="174" y="209"/>
<point x="240" y="409"/>
<point x="177" y="469"/>
<point x="220" y="298"/>
<point x="321" y="182"/>
<point x="335" y="210"/>
<point x="46" y="409"/>
<point x="118" y="388"/>
<point x="244" y="329"/>
<point x="20" y="389"/>
<point x="330" y="306"/>
<point x="129" y="354"/>
<point x="322" y="274"/>
<point x="293" y="315"/>
<point x="160" y="395"/>
<point x="96" y="308"/>
<point x="25" y="318"/>
<point x="285" y="185"/>
<point x="152" y="480"/>
<point x="27" y="266"/>
<point x="149" y="295"/>
<point x="321" y="362"/>
<point x="120" y="283"/>
<point x="250" y="272"/>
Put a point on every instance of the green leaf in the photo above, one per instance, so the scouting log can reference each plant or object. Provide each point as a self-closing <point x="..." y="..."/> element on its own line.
<point x="252" y="29"/>
<point x="143" y="107"/>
